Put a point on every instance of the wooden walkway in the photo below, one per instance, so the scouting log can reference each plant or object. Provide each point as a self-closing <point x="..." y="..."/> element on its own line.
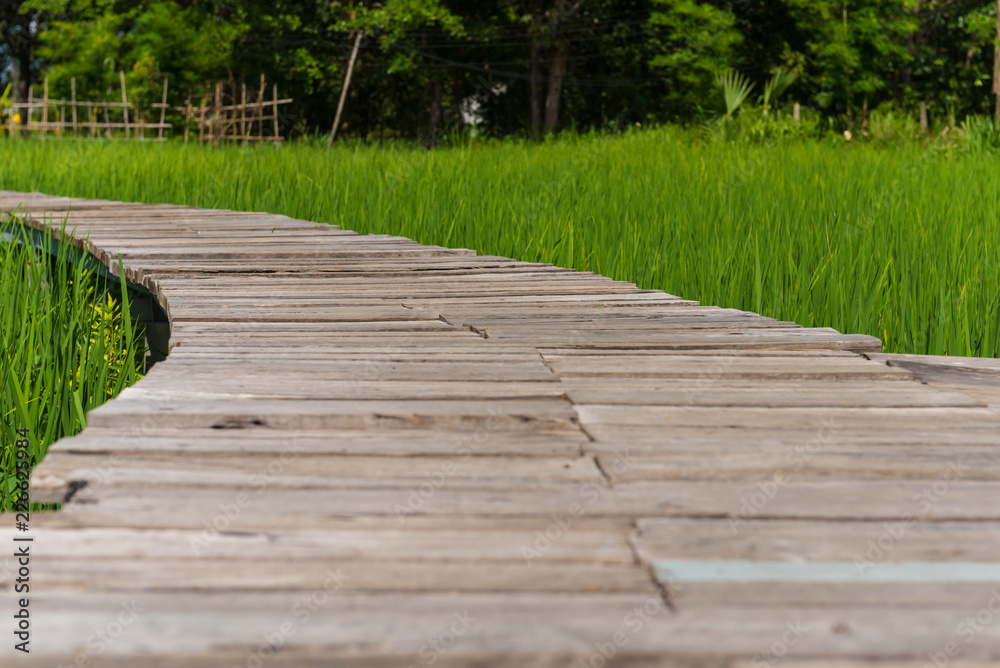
<point x="362" y="451"/>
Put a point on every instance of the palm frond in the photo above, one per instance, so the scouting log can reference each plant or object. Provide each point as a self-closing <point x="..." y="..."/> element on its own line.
<point x="736" y="88"/>
<point x="779" y="82"/>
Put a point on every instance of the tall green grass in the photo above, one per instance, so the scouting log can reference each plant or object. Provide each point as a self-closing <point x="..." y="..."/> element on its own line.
<point x="66" y="346"/>
<point x="899" y="243"/>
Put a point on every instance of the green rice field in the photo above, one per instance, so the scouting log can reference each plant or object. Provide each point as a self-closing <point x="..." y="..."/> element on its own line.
<point x="66" y="346"/>
<point x="900" y="243"/>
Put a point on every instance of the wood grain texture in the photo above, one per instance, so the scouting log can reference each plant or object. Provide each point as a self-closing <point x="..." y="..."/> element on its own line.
<point x="362" y="451"/>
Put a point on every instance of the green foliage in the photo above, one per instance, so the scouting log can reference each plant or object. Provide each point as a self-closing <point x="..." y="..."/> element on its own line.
<point x="852" y="45"/>
<point x="888" y="126"/>
<point x="627" y="61"/>
<point x="898" y="243"/>
<point x="64" y="347"/>
<point x="397" y="20"/>
<point x="982" y="135"/>
<point x="5" y="115"/>
<point x="780" y="80"/>
<point x="696" y="42"/>
<point x="162" y="39"/>
<point x="760" y="125"/>
<point x="736" y="88"/>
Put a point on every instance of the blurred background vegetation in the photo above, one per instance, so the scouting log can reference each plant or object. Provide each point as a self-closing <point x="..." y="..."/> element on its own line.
<point x="428" y="69"/>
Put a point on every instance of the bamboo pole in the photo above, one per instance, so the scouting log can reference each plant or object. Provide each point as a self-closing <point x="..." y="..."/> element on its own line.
<point x="124" y="104"/>
<point x="163" y="109"/>
<point x="10" y="124"/>
<point x="45" y="107"/>
<point x="257" y="113"/>
<point x="277" y="141"/>
<point x="243" y="113"/>
<point x="187" y="121"/>
<point x="343" y="91"/>
<point x="201" y="121"/>
<point x="72" y="84"/>
<point x="217" y="125"/>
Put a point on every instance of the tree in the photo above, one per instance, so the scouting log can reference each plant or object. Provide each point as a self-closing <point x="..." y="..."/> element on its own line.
<point x="695" y="42"/>
<point x="855" y="47"/>
<point x="550" y="26"/>
<point x="20" y="25"/>
<point x="405" y="27"/>
<point x="92" y="41"/>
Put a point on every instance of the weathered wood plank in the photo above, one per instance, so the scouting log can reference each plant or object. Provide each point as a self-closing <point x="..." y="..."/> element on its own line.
<point x="234" y="541"/>
<point x="152" y="573"/>
<point x="563" y="629"/>
<point x="826" y="423"/>
<point x="540" y="414"/>
<point x="798" y="498"/>
<point x="725" y="461"/>
<point x="159" y="435"/>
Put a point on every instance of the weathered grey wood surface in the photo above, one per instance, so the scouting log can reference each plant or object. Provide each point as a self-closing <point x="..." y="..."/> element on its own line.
<point x="362" y="451"/>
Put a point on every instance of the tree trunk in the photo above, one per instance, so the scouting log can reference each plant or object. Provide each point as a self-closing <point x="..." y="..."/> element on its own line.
<point x="24" y="56"/>
<point x="557" y="73"/>
<point x="435" y="113"/>
<point x="535" y="75"/>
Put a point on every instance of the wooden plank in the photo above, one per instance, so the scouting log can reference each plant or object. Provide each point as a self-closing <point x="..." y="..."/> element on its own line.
<point x="540" y="414"/>
<point x="392" y="544"/>
<point x="791" y="540"/>
<point x="799" y="498"/>
<point x="721" y="366"/>
<point x="974" y="377"/>
<point x="828" y="422"/>
<point x="647" y="440"/>
<point x="63" y="471"/>
<point x="306" y="367"/>
<point x="561" y="629"/>
<point x="864" y="546"/>
<point x="370" y="385"/>
<point x="713" y="392"/>
<point x="76" y="516"/>
<point x="811" y="458"/>
<point x="158" y="435"/>
<point x="153" y="573"/>
<point x="757" y="571"/>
